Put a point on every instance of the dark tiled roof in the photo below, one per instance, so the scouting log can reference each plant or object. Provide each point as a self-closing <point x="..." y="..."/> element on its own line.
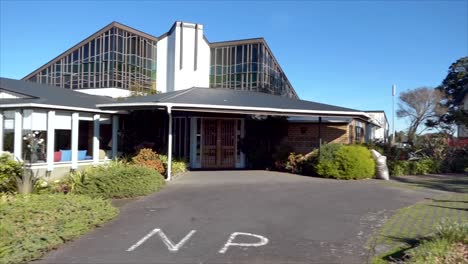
<point x="229" y="97"/>
<point x="37" y="93"/>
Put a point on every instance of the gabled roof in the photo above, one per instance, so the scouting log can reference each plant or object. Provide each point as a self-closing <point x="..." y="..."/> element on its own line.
<point x="47" y="96"/>
<point x="253" y="41"/>
<point x="231" y="101"/>
<point x="114" y="24"/>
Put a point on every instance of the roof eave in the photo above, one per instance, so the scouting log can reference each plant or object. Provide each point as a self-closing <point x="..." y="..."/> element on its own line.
<point x="234" y="109"/>
<point x="58" y="107"/>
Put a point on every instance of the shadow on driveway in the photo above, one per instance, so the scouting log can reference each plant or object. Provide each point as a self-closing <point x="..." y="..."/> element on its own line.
<point x="457" y="183"/>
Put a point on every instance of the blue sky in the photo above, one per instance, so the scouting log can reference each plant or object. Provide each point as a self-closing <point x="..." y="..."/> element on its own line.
<point x="346" y="53"/>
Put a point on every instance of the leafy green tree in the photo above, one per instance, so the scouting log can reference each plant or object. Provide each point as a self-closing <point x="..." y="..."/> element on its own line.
<point x="454" y="89"/>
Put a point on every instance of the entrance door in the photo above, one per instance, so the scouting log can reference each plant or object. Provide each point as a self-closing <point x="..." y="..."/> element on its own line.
<point x="219" y="143"/>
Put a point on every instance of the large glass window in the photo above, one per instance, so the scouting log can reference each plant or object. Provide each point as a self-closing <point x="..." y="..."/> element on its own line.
<point x="34" y="136"/>
<point x="248" y="67"/>
<point x="116" y="50"/>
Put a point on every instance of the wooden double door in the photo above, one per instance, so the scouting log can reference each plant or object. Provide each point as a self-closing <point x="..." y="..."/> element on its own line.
<point x="219" y="143"/>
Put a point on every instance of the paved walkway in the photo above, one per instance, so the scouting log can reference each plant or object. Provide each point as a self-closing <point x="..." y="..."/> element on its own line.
<point x="291" y="219"/>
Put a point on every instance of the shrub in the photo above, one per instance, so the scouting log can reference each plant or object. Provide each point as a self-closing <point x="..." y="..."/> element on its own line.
<point x="423" y="166"/>
<point x="31" y="225"/>
<point x="281" y="156"/>
<point x="178" y="166"/>
<point x="9" y="169"/>
<point x="327" y="151"/>
<point x="346" y="162"/>
<point x="456" y="159"/>
<point x="447" y="245"/>
<point x="309" y="162"/>
<point x="148" y="158"/>
<point x="294" y="163"/>
<point x="119" y="180"/>
<point x="417" y="167"/>
<point x="399" y="168"/>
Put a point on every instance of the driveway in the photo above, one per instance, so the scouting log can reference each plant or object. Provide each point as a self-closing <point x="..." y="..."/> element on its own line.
<point x="278" y="217"/>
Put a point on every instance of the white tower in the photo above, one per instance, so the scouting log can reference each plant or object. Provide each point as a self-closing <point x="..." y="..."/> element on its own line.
<point x="183" y="58"/>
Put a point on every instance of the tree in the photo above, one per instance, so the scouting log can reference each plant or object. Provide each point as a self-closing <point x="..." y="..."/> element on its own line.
<point x="419" y="106"/>
<point x="454" y="89"/>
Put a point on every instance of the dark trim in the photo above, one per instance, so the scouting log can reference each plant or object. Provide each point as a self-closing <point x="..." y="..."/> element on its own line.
<point x="181" y="46"/>
<point x="195" y="52"/>
<point x="236" y="42"/>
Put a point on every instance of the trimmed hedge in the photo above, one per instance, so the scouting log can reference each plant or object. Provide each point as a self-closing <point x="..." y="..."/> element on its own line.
<point x="31" y="225"/>
<point x="119" y="180"/>
<point x="345" y="162"/>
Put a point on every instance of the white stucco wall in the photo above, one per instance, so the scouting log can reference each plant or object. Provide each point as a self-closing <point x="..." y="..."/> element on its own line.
<point x="10" y="95"/>
<point x="379" y="133"/>
<point x="175" y="74"/>
<point x="109" y="92"/>
<point x="161" y="68"/>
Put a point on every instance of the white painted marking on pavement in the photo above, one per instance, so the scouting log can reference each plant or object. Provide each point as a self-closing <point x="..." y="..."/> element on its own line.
<point x="167" y="242"/>
<point x="263" y="241"/>
<point x="172" y="247"/>
<point x="141" y="241"/>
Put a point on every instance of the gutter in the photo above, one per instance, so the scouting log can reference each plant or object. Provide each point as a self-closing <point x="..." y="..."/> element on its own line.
<point x="237" y="109"/>
<point x="48" y="106"/>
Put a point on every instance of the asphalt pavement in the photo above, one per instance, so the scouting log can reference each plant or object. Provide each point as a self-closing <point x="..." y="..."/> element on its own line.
<point x="243" y="217"/>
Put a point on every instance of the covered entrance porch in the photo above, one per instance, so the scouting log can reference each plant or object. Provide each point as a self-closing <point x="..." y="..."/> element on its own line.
<point x="216" y="143"/>
<point x="204" y="140"/>
<point x="206" y="126"/>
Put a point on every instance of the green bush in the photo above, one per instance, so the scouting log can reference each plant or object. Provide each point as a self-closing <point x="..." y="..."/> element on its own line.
<point x="9" y="169"/>
<point x="178" y="166"/>
<point x="399" y="168"/>
<point x="423" y="166"/>
<point x="119" y="180"/>
<point x="328" y="151"/>
<point x="416" y="167"/>
<point x="346" y="162"/>
<point x="31" y="225"/>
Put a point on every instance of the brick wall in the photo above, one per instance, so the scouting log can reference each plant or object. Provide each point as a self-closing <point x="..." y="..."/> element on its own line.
<point x="303" y="137"/>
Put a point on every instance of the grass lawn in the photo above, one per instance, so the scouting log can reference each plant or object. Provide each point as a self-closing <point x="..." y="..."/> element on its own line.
<point x="409" y="225"/>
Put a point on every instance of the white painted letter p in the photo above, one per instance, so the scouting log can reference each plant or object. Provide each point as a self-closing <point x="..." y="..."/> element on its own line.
<point x="263" y="241"/>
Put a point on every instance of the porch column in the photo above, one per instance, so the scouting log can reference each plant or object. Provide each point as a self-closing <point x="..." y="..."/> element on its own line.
<point x="242" y="137"/>
<point x="50" y="140"/>
<point x="1" y="131"/>
<point x="18" y="136"/>
<point x="74" y="140"/>
<point x="96" y="130"/>
<point x="115" y="135"/>
<point x="169" y="145"/>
